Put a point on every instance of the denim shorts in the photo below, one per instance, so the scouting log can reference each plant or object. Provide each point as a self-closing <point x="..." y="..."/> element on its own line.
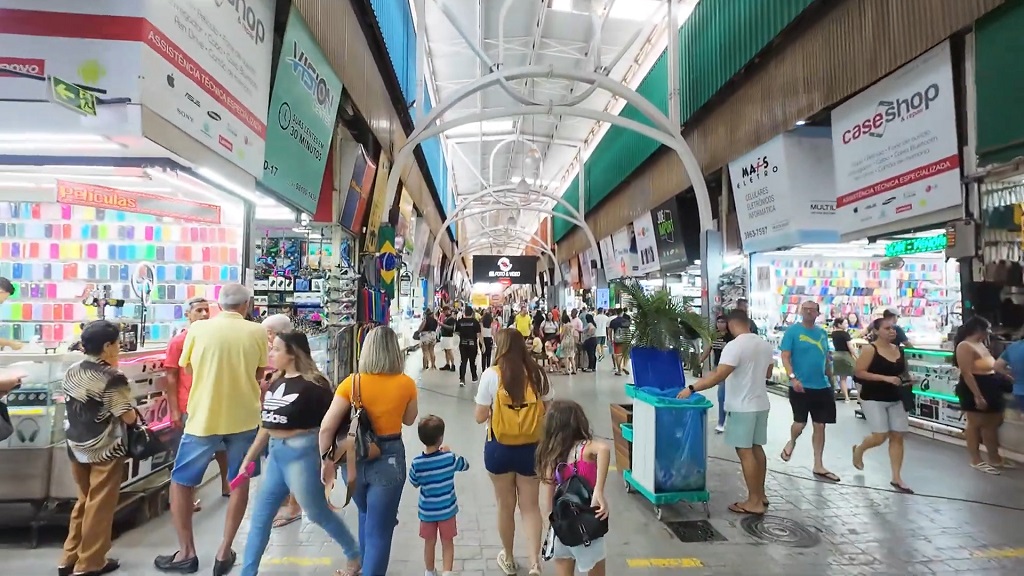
<point x="502" y="459"/>
<point x="196" y="452"/>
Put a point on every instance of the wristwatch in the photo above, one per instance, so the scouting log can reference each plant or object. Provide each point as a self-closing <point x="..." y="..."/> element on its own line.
<point x="792" y="376"/>
<point x="692" y="389"/>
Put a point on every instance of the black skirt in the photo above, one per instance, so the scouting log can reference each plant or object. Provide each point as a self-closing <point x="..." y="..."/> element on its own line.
<point x="991" y="387"/>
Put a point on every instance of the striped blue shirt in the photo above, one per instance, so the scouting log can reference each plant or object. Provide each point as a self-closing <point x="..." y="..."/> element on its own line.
<point x="434" y="475"/>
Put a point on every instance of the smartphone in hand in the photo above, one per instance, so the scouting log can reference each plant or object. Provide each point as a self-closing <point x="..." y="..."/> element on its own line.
<point x="243" y="476"/>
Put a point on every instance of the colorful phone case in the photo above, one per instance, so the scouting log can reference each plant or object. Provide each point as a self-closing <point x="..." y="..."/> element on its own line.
<point x="26" y="311"/>
<point x="58" y="312"/>
<point x="69" y="311"/>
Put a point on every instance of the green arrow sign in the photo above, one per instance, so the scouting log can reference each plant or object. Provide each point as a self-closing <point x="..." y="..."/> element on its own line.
<point x="69" y="95"/>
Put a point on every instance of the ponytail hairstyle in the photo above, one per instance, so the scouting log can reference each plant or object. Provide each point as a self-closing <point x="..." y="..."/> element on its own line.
<point x="297" y="346"/>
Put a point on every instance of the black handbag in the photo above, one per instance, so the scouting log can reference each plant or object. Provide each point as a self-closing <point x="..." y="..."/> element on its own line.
<point x="906" y="392"/>
<point x="367" y="444"/>
<point x="141" y="441"/>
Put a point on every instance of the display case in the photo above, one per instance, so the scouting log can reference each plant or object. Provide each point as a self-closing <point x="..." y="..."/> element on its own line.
<point x="35" y="460"/>
<point x="935" y="379"/>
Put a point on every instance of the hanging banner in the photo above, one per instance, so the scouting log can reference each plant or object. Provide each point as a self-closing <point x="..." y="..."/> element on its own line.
<point x="405" y="229"/>
<point x="669" y="234"/>
<point x="608" y="260"/>
<point x="646" y="244"/>
<point x="785" y="192"/>
<point x="378" y="212"/>
<point x="895" y="146"/>
<point x="586" y="270"/>
<point x="624" y="242"/>
<point x="303" y="110"/>
<point x="603" y="298"/>
<point x="420" y="243"/>
<point x="359" y="190"/>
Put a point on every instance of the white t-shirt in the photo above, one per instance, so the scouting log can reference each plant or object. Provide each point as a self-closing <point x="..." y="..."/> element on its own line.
<point x="488" y="388"/>
<point x="602" y="320"/>
<point x="745" y="388"/>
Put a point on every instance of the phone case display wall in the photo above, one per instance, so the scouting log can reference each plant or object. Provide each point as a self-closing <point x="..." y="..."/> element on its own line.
<point x="732" y="286"/>
<point x="935" y="378"/>
<point x="56" y="254"/>
<point x="35" y="462"/>
<point x="924" y="291"/>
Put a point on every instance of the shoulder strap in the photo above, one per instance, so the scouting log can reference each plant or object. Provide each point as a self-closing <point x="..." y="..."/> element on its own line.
<point x="357" y="397"/>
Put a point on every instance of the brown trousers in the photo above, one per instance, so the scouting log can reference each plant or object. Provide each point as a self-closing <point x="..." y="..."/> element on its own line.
<point x="92" y="520"/>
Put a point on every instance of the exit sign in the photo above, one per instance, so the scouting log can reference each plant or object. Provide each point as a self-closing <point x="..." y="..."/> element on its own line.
<point x="916" y="245"/>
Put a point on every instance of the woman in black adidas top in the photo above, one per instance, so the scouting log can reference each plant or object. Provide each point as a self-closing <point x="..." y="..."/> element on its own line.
<point x="293" y="408"/>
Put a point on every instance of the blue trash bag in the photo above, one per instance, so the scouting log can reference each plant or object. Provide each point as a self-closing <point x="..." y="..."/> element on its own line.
<point x="680" y="455"/>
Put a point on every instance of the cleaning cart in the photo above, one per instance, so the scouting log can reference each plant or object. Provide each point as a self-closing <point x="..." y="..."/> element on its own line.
<point x="670" y="446"/>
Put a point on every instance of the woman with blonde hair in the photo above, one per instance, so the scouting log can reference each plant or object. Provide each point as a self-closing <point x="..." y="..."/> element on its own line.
<point x="298" y="399"/>
<point x="387" y="398"/>
<point x="513" y="398"/>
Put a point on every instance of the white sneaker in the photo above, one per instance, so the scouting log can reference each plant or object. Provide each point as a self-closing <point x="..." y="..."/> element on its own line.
<point x="430" y="573"/>
<point x="719" y="429"/>
<point x="448" y="574"/>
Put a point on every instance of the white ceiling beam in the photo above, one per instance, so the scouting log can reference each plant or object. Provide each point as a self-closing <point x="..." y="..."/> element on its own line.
<point x="528" y="137"/>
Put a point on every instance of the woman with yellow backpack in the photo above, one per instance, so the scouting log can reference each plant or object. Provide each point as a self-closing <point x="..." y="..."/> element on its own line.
<point x="512" y="398"/>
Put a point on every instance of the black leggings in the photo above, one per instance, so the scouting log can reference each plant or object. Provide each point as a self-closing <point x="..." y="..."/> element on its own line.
<point x="590" y="345"/>
<point x="485" y="362"/>
<point x="468" y="354"/>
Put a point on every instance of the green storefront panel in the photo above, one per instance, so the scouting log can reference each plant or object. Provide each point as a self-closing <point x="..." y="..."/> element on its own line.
<point x="716" y="42"/>
<point x="999" y="81"/>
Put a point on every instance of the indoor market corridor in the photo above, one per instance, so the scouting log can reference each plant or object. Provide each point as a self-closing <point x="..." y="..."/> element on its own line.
<point x="860" y="526"/>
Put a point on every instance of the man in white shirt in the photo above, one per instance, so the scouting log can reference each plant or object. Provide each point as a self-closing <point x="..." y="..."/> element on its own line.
<point x="745" y="364"/>
<point x="601" y="320"/>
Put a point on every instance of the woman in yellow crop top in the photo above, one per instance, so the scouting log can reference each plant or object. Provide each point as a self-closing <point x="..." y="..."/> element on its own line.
<point x="389" y="398"/>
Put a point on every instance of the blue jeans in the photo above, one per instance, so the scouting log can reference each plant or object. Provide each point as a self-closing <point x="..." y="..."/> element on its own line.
<point x="293" y="466"/>
<point x="377" y="495"/>
<point x="721" y="403"/>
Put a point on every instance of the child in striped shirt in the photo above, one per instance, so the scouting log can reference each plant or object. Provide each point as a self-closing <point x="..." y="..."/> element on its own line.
<point x="433" y="472"/>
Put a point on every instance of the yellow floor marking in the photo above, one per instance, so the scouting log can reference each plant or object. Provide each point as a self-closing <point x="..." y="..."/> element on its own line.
<point x="664" y="563"/>
<point x="298" y="561"/>
<point x="1000" y="553"/>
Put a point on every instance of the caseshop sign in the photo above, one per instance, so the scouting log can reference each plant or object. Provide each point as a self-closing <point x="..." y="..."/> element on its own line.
<point x="895" y="146"/>
<point x="517" y="269"/>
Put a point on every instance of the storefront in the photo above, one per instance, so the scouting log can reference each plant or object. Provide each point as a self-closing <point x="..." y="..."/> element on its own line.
<point x="895" y="180"/>
<point x="127" y="181"/>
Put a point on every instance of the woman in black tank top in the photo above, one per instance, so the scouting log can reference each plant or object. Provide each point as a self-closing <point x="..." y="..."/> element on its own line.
<point x="881" y="371"/>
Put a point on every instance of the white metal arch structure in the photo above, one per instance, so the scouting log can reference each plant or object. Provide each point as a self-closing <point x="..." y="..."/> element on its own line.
<point x="665" y="133"/>
<point x="461" y="213"/>
<point x="470" y="214"/>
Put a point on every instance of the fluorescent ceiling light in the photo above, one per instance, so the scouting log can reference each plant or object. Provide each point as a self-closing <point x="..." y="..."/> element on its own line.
<point x="64" y="146"/>
<point x="15" y="184"/>
<point x="24" y="137"/>
<point x="502" y="126"/>
<point x="216" y="178"/>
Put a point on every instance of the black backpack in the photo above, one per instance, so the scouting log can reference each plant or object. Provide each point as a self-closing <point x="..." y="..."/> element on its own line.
<point x="572" y="518"/>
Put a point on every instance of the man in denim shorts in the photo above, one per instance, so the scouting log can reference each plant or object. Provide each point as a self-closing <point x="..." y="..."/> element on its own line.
<point x="227" y="355"/>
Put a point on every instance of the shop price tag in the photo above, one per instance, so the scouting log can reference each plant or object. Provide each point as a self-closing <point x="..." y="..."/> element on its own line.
<point x="71" y="96"/>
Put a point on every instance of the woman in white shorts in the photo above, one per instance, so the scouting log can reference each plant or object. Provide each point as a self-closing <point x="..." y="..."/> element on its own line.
<point x="881" y="369"/>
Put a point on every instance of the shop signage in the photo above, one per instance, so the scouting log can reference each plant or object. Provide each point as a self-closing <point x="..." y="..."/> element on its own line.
<point x="603" y="298"/>
<point x="611" y="271"/>
<point x="626" y="261"/>
<point x="206" y="69"/>
<point x="70" y="96"/>
<point x="785" y="192"/>
<point x="513" y="269"/>
<point x="82" y="194"/>
<point x="669" y="234"/>
<point x="895" y="146"/>
<point x="359" y="189"/>
<point x="910" y="246"/>
<point x="303" y="109"/>
<point x="646" y="244"/>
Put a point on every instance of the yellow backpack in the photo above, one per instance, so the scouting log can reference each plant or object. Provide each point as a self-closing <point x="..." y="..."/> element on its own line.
<point x="514" y="425"/>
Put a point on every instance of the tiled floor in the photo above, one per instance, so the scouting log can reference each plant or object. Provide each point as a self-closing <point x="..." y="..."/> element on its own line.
<point x="961" y="521"/>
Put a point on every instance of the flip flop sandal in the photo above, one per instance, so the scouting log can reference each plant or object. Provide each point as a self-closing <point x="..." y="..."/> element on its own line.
<point x="861" y="467"/>
<point x="827" y="477"/>
<point x="901" y="489"/>
<point x="283" y="521"/>
<point x="986" y="468"/>
<point x="507" y="565"/>
<point x="1007" y="464"/>
<point x="786" y="455"/>
<point x="348" y="571"/>
<point x="737" y="508"/>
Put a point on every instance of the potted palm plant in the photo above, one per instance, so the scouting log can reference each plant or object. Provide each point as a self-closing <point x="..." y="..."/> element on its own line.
<point x="662" y="336"/>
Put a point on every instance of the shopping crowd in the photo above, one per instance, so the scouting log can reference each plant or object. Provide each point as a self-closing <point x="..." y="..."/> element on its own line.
<point x="743" y="362"/>
<point x="251" y="398"/>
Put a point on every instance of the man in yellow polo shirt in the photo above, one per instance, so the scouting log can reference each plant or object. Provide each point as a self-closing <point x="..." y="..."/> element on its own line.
<point x="524" y="322"/>
<point x="227" y="355"/>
